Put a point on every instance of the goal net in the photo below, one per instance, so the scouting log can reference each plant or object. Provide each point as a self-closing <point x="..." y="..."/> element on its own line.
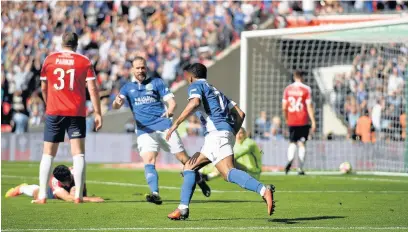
<point x="356" y="71"/>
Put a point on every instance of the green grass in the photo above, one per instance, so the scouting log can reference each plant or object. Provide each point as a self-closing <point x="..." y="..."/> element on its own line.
<point x="304" y="203"/>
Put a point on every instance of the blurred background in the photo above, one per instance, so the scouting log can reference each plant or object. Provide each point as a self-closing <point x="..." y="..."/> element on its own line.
<point x="351" y="78"/>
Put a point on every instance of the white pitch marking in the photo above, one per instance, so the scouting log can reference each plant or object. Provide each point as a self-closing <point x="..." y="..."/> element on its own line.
<point x="367" y="179"/>
<point x="219" y="191"/>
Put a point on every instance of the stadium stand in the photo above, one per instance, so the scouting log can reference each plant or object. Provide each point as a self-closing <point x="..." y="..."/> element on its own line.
<point x="375" y="85"/>
<point x="169" y="34"/>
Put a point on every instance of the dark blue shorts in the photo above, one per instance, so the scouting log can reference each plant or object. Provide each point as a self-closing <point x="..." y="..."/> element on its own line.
<point x="55" y="127"/>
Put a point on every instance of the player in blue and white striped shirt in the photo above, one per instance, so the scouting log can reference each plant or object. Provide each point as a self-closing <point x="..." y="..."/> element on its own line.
<point x="222" y="119"/>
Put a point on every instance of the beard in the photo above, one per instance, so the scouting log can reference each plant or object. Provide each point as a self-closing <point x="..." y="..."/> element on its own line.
<point x="141" y="77"/>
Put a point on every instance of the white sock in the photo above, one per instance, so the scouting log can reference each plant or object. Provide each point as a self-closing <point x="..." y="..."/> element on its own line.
<point x="291" y="151"/>
<point x="79" y="174"/>
<point x="302" y="153"/>
<point x="45" y="171"/>
<point x="28" y="189"/>
<point x="181" y="206"/>
<point x="263" y="189"/>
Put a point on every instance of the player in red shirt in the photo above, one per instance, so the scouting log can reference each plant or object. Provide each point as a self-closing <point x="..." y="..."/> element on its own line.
<point x="64" y="77"/>
<point x="297" y="109"/>
<point x="61" y="186"/>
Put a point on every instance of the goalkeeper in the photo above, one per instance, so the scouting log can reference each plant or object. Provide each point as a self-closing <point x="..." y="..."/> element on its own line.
<point x="247" y="156"/>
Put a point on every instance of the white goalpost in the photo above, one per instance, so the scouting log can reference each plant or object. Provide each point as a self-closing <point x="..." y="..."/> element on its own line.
<point x="353" y="69"/>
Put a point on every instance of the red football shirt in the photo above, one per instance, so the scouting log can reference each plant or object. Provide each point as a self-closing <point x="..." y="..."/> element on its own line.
<point x="66" y="73"/>
<point x="297" y="95"/>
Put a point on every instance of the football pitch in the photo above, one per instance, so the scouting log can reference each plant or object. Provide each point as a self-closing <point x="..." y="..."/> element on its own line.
<point x="304" y="203"/>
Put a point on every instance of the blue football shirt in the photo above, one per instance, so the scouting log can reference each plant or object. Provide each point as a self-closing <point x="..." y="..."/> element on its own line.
<point x="146" y="102"/>
<point x="214" y="111"/>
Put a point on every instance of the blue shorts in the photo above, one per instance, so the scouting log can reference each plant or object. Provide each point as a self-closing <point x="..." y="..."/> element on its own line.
<point x="55" y="127"/>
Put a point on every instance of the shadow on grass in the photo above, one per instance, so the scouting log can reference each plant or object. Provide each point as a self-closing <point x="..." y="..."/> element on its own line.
<point x="178" y="201"/>
<point x="297" y="220"/>
<point x="279" y="220"/>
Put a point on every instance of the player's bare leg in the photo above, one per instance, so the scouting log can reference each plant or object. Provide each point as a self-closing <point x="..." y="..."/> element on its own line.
<point x="28" y="190"/>
<point x="152" y="178"/>
<point x="182" y="157"/>
<point x="49" y="153"/>
<point x="205" y="189"/>
<point x="302" y="153"/>
<point x="231" y="174"/>
<point x="196" y="162"/>
<point x="291" y="156"/>
<point x="78" y="157"/>
<point x="16" y="191"/>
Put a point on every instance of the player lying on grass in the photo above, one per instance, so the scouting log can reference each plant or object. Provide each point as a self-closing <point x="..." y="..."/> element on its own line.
<point x="247" y="157"/>
<point x="222" y="119"/>
<point x="65" y="76"/>
<point x="61" y="186"/>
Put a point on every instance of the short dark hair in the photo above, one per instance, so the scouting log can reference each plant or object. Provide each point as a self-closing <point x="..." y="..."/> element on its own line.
<point x="197" y="69"/>
<point x="70" y="39"/>
<point x="366" y="112"/>
<point x="62" y="173"/>
<point x="139" y="58"/>
<point x="298" y="73"/>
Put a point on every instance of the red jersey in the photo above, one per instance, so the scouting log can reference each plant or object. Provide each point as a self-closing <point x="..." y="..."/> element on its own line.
<point x="55" y="184"/>
<point x="297" y="95"/>
<point x="66" y="73"/>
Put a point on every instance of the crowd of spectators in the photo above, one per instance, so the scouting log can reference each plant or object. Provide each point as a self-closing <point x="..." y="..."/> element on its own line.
<point x="375" y="88"/>
<point x="328" y="7"/>
<point x="169" y="34"/>
<point x="360" y="6"/>
<point x="267" y="129"/>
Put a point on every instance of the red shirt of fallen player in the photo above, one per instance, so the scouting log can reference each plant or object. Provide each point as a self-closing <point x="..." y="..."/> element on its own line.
<point x="66" y="73"/>
<point x="297" y="96"/>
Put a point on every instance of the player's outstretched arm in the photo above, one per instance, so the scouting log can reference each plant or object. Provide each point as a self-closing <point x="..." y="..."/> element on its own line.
<point x="62" y="194"/>
<point x="94" y="94"/>
<point x="171" y="106"/>
<point x="118" y="102"/>
<point x="93" y="199"/>
<point x="190" y="108"/>
<point x="239" y="116"/>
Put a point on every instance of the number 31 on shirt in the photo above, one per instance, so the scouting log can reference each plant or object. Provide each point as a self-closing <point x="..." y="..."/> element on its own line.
<point x="61" y="75"/>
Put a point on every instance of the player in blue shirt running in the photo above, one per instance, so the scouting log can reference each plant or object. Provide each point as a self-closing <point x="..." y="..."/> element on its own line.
<point x="222" y="119"/>
<point x="145" y="97"/>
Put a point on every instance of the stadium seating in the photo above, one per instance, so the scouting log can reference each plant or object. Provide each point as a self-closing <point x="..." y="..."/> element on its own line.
<point x="168" y="34"/>
<point x="374" y="85"/>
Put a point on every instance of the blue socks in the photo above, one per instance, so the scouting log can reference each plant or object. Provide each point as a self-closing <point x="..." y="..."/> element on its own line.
<point x="244" y="180"/>
<point x="188" y="187"/>
<point x="152" y="178"/>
